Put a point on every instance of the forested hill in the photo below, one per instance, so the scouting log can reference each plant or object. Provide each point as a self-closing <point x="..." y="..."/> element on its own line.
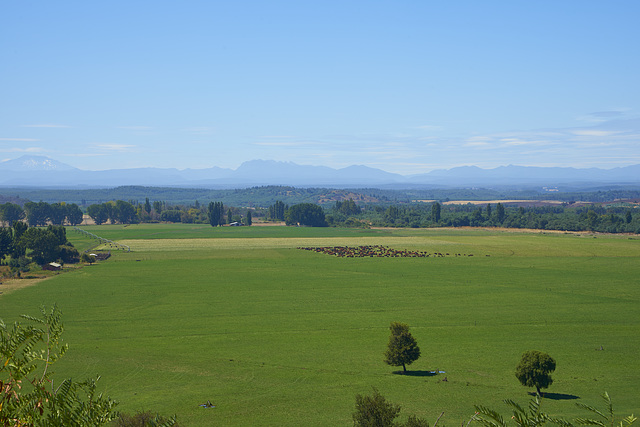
<point x="267" y="195"/>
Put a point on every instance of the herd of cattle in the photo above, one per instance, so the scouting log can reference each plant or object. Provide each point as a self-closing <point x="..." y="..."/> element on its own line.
<point x="375" y="251"/>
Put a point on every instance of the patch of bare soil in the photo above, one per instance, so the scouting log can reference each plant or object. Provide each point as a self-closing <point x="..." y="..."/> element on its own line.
<point x="9" y="285"/>
<point x="506" y="202"/>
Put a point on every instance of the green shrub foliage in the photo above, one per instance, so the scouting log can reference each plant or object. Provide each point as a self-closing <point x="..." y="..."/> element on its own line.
<point x="374" y="411"/>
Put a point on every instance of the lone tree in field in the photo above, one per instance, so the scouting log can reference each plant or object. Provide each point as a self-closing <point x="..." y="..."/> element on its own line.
<point x="534" y="369"/>
<point x="402" y="349"/>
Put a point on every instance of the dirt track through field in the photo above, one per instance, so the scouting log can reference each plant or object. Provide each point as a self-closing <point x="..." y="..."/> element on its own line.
<point x="266" y="243"/>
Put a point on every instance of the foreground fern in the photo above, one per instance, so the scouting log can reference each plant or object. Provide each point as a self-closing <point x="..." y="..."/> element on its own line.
<point x="28" y="394"/>
<point x="534" y="416"/>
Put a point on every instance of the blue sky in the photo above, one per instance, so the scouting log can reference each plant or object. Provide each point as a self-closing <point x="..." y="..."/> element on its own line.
<point x="404" y="86"/>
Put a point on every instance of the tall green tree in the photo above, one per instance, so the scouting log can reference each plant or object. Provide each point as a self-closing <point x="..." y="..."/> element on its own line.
<point x="43" y="244"/>
<point x="37" y="213"/>
<point x="277" y="210"/>
<point x="216" y="214"/>
<point x="125" y="212"/>
<point x="74" y="214"/>
<point x="500" y="213"/>
<point x="308" y="214"/>
<point x="249" y="218"/>
<point x="6" y="242"/>
<point x="147" y="205"/>
<point x="534" y="369"/>
<point x="348" y="207"/>
<point x="18" y="249"/>
<point x="157" y="207"/>
<point x="402" y="349"/>
<point x="10" y="213"/>
<point x="436" y="212"/>
<point x="57" y="213"/>
<point x="98" y="213"/>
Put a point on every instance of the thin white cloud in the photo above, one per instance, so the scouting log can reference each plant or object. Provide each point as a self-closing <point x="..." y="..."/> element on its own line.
<point x="518" y="141"/>
<point x="136" y="128"/>
<point x="115" y="147"/>
<point x="430" y="127"/>
<point x="200" y="130"/>
<point x="277" y="136"/>
<point x="594" y="132"/>
<point x="85" y="155"/>
<point x="23" y="150"/>
<point x="279" y="144"/>
<point x="286" y="143"/>
<point x="19" y="139"/>
<point x="604" y="116"/>
<point x="478" y="144"/>
<point x="46" y="125"/>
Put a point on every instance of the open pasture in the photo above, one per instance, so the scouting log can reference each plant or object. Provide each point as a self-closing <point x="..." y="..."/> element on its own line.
<point x="274" y="335"/>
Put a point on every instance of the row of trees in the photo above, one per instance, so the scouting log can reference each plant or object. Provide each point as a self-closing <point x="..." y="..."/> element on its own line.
<point x="121" y="212"/>
<point x="612" y="219"/>
<point x="41" y="213"/>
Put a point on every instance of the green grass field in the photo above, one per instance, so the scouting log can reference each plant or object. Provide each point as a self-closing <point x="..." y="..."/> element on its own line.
<point x="273" y="335"/>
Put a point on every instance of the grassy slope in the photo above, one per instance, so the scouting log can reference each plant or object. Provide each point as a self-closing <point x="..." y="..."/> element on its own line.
<point x="274" y="335"/>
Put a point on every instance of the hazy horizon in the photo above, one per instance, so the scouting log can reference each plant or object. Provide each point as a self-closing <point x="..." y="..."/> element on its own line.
<point x="405" y="87"/>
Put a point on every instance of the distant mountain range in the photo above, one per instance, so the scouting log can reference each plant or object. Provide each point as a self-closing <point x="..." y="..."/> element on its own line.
<point x="40" y="171"/>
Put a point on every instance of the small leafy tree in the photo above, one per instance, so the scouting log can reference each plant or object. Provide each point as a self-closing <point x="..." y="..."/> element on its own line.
<point x="87" y="258"/>
<point x="402" y="349"/>
<point x="534" y="369"/>
<point x="374" y="411"/>
<point x="28" y="394"/>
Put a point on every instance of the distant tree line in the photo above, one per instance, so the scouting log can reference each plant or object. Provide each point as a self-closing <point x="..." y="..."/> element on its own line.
<point x="597" y="218"/>
<point x="614" y="218"/>
<point x="41" y="213"/>
<point x="264" y="196"/>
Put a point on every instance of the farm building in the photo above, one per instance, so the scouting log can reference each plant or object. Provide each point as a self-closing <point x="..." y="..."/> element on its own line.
<point x="52" y="266"/>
